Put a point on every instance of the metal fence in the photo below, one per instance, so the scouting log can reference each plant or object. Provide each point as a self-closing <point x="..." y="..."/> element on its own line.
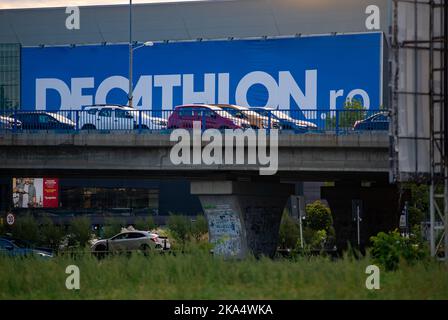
<point x="126" y="119"/>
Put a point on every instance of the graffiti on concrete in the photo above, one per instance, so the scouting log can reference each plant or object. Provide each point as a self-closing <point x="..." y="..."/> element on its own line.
<point x="225" y="230"/>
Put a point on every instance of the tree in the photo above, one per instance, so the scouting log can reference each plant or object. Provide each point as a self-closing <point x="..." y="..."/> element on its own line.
<point x="81" y="230"/>
<point x="180" y="226"/>
<point x="26" y="228"/>
<point x="112" y="226"/>
<point x="353" y="111"/>
<point x="318" y="216"/>
<point x="51" y="234"/>
<point x="199" y="227"/>
<point x="145" y="224"/>
<point x="289" y="232"/>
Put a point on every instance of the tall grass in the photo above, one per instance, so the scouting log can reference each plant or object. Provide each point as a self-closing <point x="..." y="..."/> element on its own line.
<point x="196" y="274"/>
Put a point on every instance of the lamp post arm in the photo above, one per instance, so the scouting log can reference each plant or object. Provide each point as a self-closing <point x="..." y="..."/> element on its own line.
<point x="130" y="93"/>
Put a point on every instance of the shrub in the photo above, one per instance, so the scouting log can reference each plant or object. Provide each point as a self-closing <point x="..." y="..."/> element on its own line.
<point x="389" y="248"/>
<point x="319" y="239"/>
<point x="145" y="223"/>
<point x="318" y="216"/>
<point x="180" y="226"/>
<point x="51" y="234"/>
<point x="81" y="230"/>
<point x="111" y="227"/>
<point x="26" y="228"/>
<point x="199" y="227"/>
<point x="416" y="216"/>
<point x="289" y="232"/>
<point x="3" y="227"/>
<point x="353" y="111"/>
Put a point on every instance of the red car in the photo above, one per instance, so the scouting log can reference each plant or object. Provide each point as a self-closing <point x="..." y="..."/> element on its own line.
<point x="212" y="116"/>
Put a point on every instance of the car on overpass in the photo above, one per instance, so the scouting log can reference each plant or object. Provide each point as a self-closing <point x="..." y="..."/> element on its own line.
<point x="284" y="121"/>
<point x="9" y="123"/>
<point x="211" y="116"/>
<point x="43" y="120"/>
<point x="376" y="122"/>
<point x="116" y="117"/>
<point x="256" y="120"/>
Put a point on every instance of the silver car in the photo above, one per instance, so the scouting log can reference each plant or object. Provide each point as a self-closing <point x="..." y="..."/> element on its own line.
<point x="126" y="242"/>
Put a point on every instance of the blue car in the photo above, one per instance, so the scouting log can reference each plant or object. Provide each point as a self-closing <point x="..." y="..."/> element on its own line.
<point x="18" y="248"/>
<point x="41" y="120"/>
<point x="376" y="122"/>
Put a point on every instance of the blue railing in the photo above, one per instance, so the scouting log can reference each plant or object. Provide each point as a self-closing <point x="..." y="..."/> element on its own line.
<point x="112" y="119"/>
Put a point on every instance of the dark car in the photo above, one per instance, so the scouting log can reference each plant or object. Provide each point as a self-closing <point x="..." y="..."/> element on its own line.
<point x="19" y="248"/>
<point x="376" y="122"/>
<point x="9" y="123"/>
<point x="42" y="120"/>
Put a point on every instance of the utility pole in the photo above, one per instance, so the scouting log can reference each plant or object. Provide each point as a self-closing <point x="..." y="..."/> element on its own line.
<point x="130" y="93"/>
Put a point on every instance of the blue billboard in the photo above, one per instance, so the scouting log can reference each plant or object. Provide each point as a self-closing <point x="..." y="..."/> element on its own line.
<point x="313" y="73"/>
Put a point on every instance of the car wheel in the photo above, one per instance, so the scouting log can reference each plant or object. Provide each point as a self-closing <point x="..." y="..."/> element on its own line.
<point x="145" y="249"/>
<point x="88" y="127"/>
<point x="100" y="251"/>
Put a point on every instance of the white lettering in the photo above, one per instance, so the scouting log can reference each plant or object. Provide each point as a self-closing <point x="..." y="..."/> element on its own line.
<point x="167" y="83"/>
<point x="288" y="88"/>
<point x="191" y="96"/>
<point x="253" y="78"/>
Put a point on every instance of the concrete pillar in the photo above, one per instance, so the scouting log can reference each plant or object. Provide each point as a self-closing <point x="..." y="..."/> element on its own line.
<point x="243" y="217"/>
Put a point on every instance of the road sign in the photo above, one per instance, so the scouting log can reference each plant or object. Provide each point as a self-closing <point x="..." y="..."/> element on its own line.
<point x="10" y="219"/>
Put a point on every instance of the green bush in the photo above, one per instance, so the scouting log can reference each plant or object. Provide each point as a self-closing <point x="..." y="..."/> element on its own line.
<point x="199" y="227"/>
<point x="145" y="224"/>
<point x="180" y="226"/>
<point x="112" y="226"/>
<point x="289" y="232"/>
<point x="3" y="227"/>
<point x="389" y="248"/>
<point x="26" y="228"/>
<point x="318" y="216"/>
<point x="81" y="229"/>
<point x="353" y="111"/>
<point x="51" y="234"/>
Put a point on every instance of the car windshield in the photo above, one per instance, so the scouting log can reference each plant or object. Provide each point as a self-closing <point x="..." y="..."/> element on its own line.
<point x="20" y="243"/>
<point x="60" y="118"/>
<point x="222" y="113"/>
<point x="281" y="115"/>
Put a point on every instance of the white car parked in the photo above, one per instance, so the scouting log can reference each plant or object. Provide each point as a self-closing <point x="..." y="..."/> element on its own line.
<point x="110" y="117"/>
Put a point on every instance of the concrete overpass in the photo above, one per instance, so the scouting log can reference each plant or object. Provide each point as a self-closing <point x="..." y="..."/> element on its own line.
<point x="311" y="156"/>
<point x="239" y="203"/>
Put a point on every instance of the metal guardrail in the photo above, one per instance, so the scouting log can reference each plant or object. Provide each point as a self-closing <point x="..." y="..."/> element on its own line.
<point x="112" y="119"/>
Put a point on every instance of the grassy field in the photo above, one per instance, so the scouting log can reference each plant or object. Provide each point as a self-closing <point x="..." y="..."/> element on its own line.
<point x="198" y="275"/>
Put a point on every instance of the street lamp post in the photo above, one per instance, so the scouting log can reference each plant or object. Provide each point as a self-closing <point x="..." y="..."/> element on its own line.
<point x="131" y="52"/>
<point x="130" y="55"/>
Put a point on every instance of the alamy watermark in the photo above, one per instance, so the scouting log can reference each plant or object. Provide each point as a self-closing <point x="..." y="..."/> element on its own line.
<point x="227" y="147"/>
<point x="373" y="280"/>
<point x="72" y="282"/>
<point x="73" y="21"/>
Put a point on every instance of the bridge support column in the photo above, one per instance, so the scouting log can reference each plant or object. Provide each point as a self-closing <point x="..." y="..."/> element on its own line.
<point x="381" y="207"/>
<point x="243" y="217"/>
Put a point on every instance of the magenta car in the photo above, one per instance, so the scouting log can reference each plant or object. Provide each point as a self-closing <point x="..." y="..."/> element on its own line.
<point x="213" y="117"/>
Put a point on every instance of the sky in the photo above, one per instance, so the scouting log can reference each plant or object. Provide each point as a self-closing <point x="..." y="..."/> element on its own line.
<point x="11" y="4"/>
